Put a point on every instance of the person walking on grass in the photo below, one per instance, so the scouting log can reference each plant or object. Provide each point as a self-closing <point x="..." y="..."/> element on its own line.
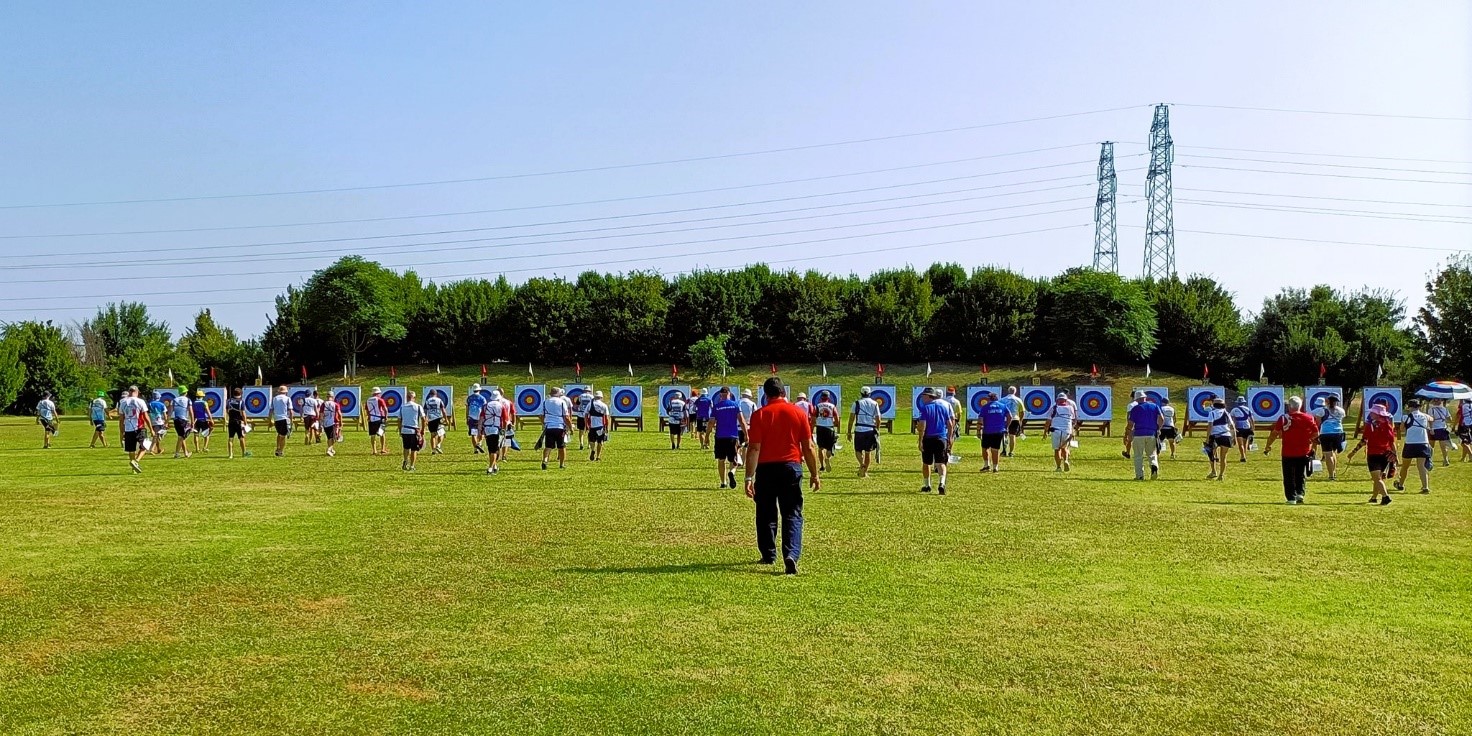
<point x="329" y="422"/>
<point x="434" y="412"/>
<point x="956" y="413"/>
<point x="495" y="417"/>
<point x="1219" y="439"/>
<point x="158" y="419"/>
<point x="676" y="417"/>
<point x="98" y="412"/>
<point x="235" y="425"/>
<point x="996" y="417"/>
<point x="1464" y="428"/>
<point x="204" y="424"/>
<point x="580" y="407"/>
<point x="309" y="418"/>
<point x="1242" y="423"/>
<point x="474" y="403"/>
<point x="748" y="408"/>
<point x="1330" y="417"/>
<point x="1064" y="428"/>
<point x="1378" y="433"/>
<point x="411" y="430"/>
<point x="598" y="414"/>
<point x="863" y="429"/>
<point x="934" y="426"/>
<point x="825" y="428"/>
<point x="132" y="422"/>
<point x="556" y="419"/>
<point x="1169" y="435"/>
<point x="182" y="423"/>
<point x="1014" y="426"/>
<point x="780" y="443"/>
<point x="703" y="406"/>
<point x="1416" y="449"/>
<point x="46" y="416"/>
<point x="1298" y="431"/>
<point x="1141" y="436"/>
<point x="1441" y="434"/>
<point x="377" y="409"/>
<point x="730" y="427"/>
<point x="281" y="417"/>
<point x="805" y="405"/>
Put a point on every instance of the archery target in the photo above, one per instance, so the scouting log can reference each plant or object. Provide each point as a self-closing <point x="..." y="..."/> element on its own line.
<point x="214" y="400"/>
<point x="1266" y="402"/>
<point x="884" y="397"/>
<point x="628" y="401"/>
<point x="667" y="394"/>
<point x="300" y="394"/>
<point x="349" y="400"/>
<point x="166" y="395"/>
<point x="529" y="398"/>
<point x="762" y="395"/>
<point x="1094" y="402"/>
<point x="446" y="394"/>
<point x="393" y="398"/>
<point x="1392" y="398"/>
<point x="1315" y="396"/>
<point x="915" y="398"/>
<point x="714" y="392"/>
<point x="1198" y="401"/>
<point x="574" y="390"/>
<point x="975" y="398"/>
<point x="834" y="391"/>
<point x="256" y="401"/>
<point x="1154" y="394"/>
<point x="1037" y="401"/>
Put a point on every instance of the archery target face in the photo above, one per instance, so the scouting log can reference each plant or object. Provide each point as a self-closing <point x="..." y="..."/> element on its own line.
<point x="762" y="395"/>
<point x="628" y="401"/>
<point x="915" y="398"/>
<point x="256" y="401"/>
<point x="1199" y="400"/>
<point x="446" y="393"/>
<point x="884" y="397"/>
<point x="1094" y="402"/>
<point x="833" y="392"/>
<point x="1154" y="394"/>
<point x="348" y="399"/>
<point x="667" y="394"/>
<point x="1392" y="398"/>
<point x="166" y="395"/>
<point x="1037" y="401"/>
<point x="299" y="395"/>
<point x="1266" y="402"/>
<point x="976" y="397"/>
<point x="529" y="399"/>
<point x="393" y="398"/>
<point x="574" y="390"/>
<point x="1315" y="396"/>
<point x="214" y="400"/>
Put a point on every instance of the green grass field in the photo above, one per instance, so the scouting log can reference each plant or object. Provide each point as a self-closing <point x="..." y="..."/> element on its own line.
<point x="340" y="595"/>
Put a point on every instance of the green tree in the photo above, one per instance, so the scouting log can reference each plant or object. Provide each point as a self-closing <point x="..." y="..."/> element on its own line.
<point x="51" y="363"/>
<point x="708" y="356"/>
<point x="625" y="317"/>
<point x="149" y="365"/>
<point x="125" y="325"/>
<point x="987" y="317"/>
<point x="541" y="321"/>
<point x="12" y="371"/>
<point x="353" y="304"/>
<point x="897" y="307"/>
<point x="1352" y="336"/>
<point x="1093" y="316"/>
<point x="459" y="322"/>
<point x="210" y="346"/>
<point x="1198" y="324"/>
<point x="1444" y="324"/>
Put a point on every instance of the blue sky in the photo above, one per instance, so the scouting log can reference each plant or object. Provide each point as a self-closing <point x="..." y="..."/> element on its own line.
<point x="150" y="101"/>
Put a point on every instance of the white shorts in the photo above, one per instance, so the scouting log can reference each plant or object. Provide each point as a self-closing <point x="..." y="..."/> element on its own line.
<point x="1060" y="438"/>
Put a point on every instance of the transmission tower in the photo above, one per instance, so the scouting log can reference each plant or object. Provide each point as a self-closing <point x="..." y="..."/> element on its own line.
<point x="1106" y="244"/>
<point x="1160" y="229"/>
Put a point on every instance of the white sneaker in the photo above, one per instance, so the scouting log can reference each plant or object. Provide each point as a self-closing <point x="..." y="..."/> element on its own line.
<point x="331" y="452"/>
<point x="134" y="465"/>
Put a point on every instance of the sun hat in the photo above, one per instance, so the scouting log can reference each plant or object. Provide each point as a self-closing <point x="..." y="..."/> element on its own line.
<point x="1241" y="400"/>
<point x="474" y="387"/>
<point x="377" y="390"/>
<point x="865" y="391"/>
<point x="597" y="394"/>
<point x="746" y="393"/>
<point x="931" y="392"/>
<point x="1062" y="394"/>
<point x="1379" y="410"/>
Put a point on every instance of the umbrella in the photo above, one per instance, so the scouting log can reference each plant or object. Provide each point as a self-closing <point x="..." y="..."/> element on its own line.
<point x="1447" y="390"/>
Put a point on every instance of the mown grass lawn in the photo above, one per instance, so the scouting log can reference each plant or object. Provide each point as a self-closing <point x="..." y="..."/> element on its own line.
<point x="317" y="595"/>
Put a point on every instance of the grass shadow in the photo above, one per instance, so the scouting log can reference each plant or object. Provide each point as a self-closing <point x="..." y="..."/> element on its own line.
<point x="671" y="569"/>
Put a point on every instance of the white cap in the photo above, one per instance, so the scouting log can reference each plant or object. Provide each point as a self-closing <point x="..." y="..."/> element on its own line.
<point x="377" y="390"/>
<point x="474" y="387"/>
<point x="597" y="394"/>
<point x="495" y="394"/>
<point x="746" y="393"/>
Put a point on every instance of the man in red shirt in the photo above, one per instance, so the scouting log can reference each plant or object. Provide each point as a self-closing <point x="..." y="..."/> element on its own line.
<point x="1379" y="433"/>
<point x="1298" y="430"/>
<point x="778" y="444"/>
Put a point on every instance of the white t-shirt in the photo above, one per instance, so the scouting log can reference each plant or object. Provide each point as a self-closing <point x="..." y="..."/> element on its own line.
<point x="434" y="408"/>
<point x="46" y="409"/>
<point x="747" y="407"/>
<point x="866" y="415"/>
<point x="826" y="415"/>
<point x="409" y="415"/>
<point x="1063" y="416"/>
<point x="133" y="410"/>
<point x="1168" y="416"/>
<point x="554" y="412"/>
<point x="280" y="407"/>
<point x="309" y="406"/>
<point x="1221" y="423"/>
<point x="329" y="414"/>
<point x="1439" y="417"/>
<point x="1417" y="424"/>
<point x="181" y="407"/>
<point x="597" y="414"/>
<point x="490" y="416"/>
<point x="1466" y="412"/>
<point x="99" y="408"/>
<point x="583" y="404"/>
<point x="676" y="412"/>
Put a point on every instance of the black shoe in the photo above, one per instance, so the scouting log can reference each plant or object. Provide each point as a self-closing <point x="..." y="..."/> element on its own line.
<point x="925" y="489"/>
<point x="1385" y="500"/>
<point x="769" y="560"/>
<point x="723" y="485"/>
<point x="1154" y="472"/>
<point x="544" y="465"/>
<point x="731" y="478"/>
<point x="789" y="567"/>
<point x="942" y="490"/>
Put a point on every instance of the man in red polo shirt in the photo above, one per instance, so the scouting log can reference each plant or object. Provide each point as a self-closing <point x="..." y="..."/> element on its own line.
<point x="779" y="442"/>
<point x="1298" y="430"/>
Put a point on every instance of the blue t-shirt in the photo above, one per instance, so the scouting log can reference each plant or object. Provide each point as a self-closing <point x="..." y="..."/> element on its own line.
<point x="703" y="406"/>
<point x="156" y="411"/>
<point x="473" y="404"/>
<point x="1147" y="419"/>
<point x="181" y="408"/>
<point x="201" y="410"/>
<point x="994" y="417"/>
<point x="937" y="417"/>
<point x="1242" y="417"/>
<point x="727" y="414"/>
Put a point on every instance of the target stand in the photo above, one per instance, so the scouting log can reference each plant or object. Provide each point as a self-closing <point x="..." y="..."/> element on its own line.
<point x="626" y="407"/>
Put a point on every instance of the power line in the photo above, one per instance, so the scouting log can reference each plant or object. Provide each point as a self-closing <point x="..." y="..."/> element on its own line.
<point x="1310" y="196"/>
<point x="1402" y="216"/>
<point x="910" y="246"/>
<point x="1329" y="165"/>
<point x="1323" y="174"/>
<point x="593" y="169"/>
<point x="1319" y="241"/>
<point x="1326" y="112"/>
<point x="1326" y="155"/>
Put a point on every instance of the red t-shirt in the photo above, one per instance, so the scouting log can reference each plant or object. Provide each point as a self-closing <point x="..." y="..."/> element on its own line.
<point x="780" y="428"/>
<point x="1380" y="435"/>
<point x="1298" y="430"/>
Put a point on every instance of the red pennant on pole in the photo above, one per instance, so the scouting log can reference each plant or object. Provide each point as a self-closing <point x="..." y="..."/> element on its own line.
<point x="1205" y="371"/>
<point x="1323" y="370"/>
<point x="304" y="374"/>
<point x="577" y="368"/>
<point x="674" y="371"/>
<point x="879" y="369"/>
<point x="1094" y="370"/>
<point x="393" y="372"/>
<point x="985" y="369"/>
<point x="212" y="374"/>
<point x="774" y="369"/>
<point x="482" y="371"/>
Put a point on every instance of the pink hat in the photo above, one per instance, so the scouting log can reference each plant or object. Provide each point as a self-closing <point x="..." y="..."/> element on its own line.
<point x="1379" y="410"/>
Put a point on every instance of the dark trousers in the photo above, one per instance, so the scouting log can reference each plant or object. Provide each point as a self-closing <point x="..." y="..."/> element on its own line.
<point x="779" y="491"/>
<point x="1295" y="474"/>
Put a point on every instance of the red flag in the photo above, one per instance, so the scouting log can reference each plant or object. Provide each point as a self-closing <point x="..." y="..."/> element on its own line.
<point x="578" y="369"/>
<point x="774" y="369"/>
<point x="674" y="371"/>
<point x="984" y="369"/>
<point x="1205" y="371"/>
<point x="393" y="372"/>
<point x="1323" y="370"/>
<point x="1094" y="370"/>
<point x="212" y="374"/>
<point x="879" y="369"/>
<point x="304" y="374"/>
<point x="482" y="371"/>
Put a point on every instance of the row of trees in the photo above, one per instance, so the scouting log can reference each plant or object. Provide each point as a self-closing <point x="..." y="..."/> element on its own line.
<point x="356" y="310"/>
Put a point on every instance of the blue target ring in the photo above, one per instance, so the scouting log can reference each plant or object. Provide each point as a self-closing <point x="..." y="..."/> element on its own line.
<point x="1037" y="402"/>
<point x="444" y="397"/>
<point x="255" y="402"/>
<point x="884" y="399"/>
<point x="529" y="400"/>
<point x="668" y="398"/>
<point x="212" y="402"/>
<point x="825" y="395"/>
<point x="1093" y="403"/>
<point x="978" y="400"/>
<point x="626" y="401"/>
<point x="1154" y="397"/>
<point x="166" y="396"/>
<point x="574" y="393"/>
<point x="1392" y="404"/>
<point x="347" y="401"/>
<point x="297" y="397"/>
<point x="1267" y="404"/>
<point x="1317" y="398"/>
<point x="1204" y="401"/>
<point x="393" y="398"/>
